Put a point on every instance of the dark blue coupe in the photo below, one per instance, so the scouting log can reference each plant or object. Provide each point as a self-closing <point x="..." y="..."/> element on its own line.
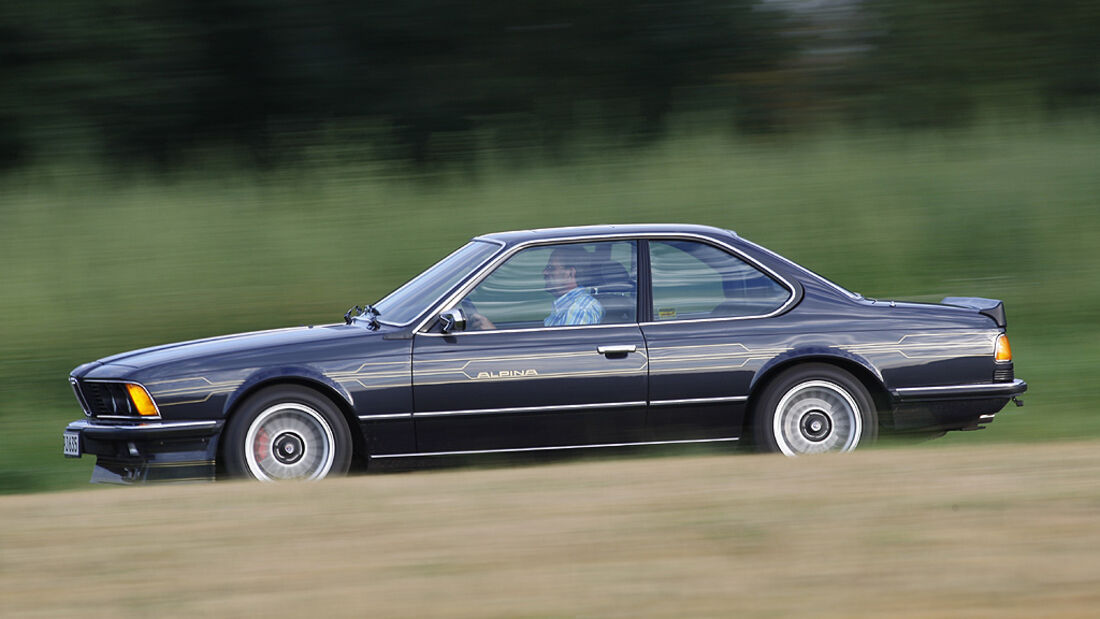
<point x="566" y="338"/>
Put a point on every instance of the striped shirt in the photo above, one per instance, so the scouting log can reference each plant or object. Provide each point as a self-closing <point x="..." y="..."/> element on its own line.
<point x="575" y="307"/>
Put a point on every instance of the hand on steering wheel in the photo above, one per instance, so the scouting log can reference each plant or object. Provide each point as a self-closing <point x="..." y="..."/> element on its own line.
<point x="475" y="321"/>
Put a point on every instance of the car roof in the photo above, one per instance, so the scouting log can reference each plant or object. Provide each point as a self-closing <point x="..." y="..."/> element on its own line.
<point x="543" y="234"/>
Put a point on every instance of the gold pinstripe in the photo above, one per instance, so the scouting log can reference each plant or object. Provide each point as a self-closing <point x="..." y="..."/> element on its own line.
<point x="540" y="376"/>
<point x="207" y="389"/>
<point x="522" y="357"/>
<point x="980" y="342"/>
<point x="527" y="360"/>
<point x="199" y="401"/>
<point x="670" y="359"/>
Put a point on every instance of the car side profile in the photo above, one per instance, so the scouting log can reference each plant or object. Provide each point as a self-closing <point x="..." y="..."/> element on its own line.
<point x="565" y="338"/>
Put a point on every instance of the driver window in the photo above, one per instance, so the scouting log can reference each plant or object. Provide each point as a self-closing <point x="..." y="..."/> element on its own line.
<point x="567" y="284"/>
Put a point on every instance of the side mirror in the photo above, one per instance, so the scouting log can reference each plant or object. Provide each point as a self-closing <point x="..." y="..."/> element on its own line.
<point x="453" y="319"/>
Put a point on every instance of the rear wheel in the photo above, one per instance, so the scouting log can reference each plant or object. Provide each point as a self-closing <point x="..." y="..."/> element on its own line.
<point x="814" y="408"/>
<point x="287" y="432"/>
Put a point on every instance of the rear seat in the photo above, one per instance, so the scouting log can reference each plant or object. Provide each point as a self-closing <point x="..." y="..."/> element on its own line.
<point x="611" y="285"/>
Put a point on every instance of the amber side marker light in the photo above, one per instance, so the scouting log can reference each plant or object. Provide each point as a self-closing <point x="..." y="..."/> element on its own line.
<point x="144" y="403"/>
<point x="1003" y="352"/>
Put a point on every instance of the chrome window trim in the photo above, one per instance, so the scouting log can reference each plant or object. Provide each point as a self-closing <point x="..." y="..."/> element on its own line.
<point x="531" y="329"/>
<point x="119" y="382"/>
<point x="717" y="400"/>
<point x="486" y="269"/>
<point x="791" y="299"/>
<point x="475" y="270"/>
<point x="528" y="409"/>
<point x="467" y="452"/>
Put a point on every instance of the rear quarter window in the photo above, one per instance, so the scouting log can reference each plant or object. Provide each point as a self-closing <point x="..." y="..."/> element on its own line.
<point x="693" y="280"/>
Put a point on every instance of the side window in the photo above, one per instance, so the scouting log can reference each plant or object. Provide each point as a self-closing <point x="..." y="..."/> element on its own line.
<point x="567" y="284"/>
<point x="696" y="280"/>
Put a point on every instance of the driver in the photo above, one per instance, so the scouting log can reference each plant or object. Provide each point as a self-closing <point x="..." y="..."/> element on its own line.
<point x="573" y="305"/>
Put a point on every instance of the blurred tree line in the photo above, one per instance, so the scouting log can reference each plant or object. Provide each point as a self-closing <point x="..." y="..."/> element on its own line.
<point x="153" y="80"/>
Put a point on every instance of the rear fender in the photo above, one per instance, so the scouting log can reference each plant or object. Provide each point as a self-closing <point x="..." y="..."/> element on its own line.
<point x="825" y="354"/>
<point x="856" y="365"/>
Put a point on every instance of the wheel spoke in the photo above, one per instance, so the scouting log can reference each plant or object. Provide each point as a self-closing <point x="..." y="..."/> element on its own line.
<point x="289" y="441"/>
<point x="816" y="416"/>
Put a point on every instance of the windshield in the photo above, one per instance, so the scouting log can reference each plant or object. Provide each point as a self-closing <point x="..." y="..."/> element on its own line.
<point x="401" y="306"/>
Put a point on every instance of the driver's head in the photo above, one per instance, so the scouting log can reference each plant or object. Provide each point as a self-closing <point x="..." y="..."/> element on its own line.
<point x="564" y="269"/>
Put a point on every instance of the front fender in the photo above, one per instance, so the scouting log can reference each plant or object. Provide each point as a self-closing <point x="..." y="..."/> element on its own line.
<point x="295" y="374"/>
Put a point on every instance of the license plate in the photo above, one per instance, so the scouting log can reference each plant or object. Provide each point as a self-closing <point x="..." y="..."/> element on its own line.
<point x="72" y="444"/>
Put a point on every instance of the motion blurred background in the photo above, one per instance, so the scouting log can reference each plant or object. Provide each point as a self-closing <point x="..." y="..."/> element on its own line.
<point x="174" y="169"/>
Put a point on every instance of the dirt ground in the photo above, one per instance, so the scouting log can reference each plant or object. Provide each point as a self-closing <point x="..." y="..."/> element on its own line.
<point x="1005" y="531"/>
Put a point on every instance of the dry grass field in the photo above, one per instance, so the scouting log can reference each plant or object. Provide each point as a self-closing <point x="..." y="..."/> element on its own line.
<point x="1005" y="531"/>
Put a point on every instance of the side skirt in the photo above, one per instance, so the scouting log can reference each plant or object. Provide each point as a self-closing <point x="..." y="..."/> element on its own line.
<point x="554" y="448"/>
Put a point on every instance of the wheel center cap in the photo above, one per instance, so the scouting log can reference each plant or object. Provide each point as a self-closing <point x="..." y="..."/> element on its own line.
<point x="288" y="447"/>
<point x="815" y="426"/>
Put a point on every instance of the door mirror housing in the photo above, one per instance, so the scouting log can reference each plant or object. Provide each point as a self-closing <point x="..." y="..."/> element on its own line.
<point x="453" y="319"/>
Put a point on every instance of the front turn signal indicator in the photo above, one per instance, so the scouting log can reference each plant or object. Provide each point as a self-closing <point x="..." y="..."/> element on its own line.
<point x="140" y="397"/>
<point x="1002" y="353"/>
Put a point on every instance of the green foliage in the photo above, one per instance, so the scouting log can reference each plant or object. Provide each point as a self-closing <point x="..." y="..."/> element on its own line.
<point x="937" y="63"/>
<point x="95" y="263"/>
<point x="166" y="81"/>
<point x="155" y="79"/>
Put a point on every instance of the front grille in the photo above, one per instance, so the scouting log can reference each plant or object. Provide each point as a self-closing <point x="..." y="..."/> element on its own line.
<point x="1004" y="374"/>
<point x="106" y="399"/>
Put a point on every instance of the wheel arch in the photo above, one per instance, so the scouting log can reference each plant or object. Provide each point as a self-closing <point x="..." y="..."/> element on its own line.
<point x="315" y="381"/>
<point x="858" y="367"/>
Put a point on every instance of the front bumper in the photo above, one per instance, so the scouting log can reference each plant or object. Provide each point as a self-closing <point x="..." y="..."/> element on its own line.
<point x="952" y="407"/>
<point x="152" y="451"/>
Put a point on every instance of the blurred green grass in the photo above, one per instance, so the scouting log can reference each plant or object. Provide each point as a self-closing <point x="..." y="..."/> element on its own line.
<point x="98" y="261"/>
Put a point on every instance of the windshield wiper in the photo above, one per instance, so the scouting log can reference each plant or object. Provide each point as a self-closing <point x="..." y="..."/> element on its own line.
<point x="366" y="312"/>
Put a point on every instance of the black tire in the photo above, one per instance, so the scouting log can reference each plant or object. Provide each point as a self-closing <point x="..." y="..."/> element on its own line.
<point x="287" y="432"/>
<point x="814" y="408"/>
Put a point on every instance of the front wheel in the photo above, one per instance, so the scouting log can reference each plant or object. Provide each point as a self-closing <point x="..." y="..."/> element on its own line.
<point x="287" y="432"/>
<point x="814" y="408"/>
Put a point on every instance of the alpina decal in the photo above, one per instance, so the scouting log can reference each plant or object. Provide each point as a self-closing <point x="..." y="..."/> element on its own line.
<point x="507" y="374"/>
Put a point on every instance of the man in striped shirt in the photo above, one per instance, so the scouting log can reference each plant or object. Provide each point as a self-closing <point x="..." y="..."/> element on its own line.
<point x="573" y="304"/>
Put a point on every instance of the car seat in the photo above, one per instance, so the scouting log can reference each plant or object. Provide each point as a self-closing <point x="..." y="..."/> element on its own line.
<point x="613" y="287"/>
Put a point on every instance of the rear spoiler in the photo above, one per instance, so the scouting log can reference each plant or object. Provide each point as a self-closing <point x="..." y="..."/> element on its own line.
<point x="994" y="308"/>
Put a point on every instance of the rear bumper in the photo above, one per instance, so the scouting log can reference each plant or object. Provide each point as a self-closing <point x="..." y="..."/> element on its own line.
<point x="961" y="392"/>
<point x="156" y="451"/>
<point x="951" y="407"/>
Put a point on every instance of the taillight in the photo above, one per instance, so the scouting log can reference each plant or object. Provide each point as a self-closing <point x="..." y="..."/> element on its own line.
<point x="1002" y="353"/>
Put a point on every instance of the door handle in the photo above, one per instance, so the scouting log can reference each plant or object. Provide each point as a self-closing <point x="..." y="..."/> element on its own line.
<point x="621" y="349"/>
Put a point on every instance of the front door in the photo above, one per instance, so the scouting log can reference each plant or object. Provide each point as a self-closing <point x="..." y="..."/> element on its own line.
<point x="552" y="356"/>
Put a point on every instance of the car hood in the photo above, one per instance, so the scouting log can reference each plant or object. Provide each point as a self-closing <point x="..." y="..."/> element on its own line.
<point x="229" y="351"/>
